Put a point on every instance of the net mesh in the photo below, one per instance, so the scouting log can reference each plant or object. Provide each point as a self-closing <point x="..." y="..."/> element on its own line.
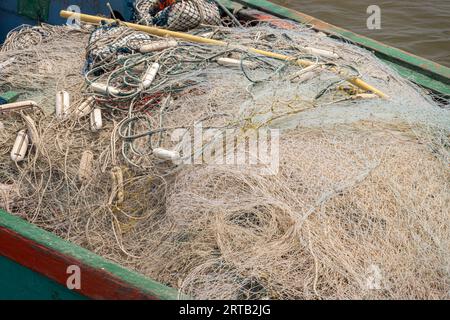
<point x="177" y="15"/>
<point x="357" y="210"/>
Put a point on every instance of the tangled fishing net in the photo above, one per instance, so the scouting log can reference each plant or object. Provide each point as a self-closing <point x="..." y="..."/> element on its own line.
<point x="359" y="205"/>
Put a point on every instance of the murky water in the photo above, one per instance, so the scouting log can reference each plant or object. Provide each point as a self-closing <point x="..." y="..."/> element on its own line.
<point x="420" y="27"/>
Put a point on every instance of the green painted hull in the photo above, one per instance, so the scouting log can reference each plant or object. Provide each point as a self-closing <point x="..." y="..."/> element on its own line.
<point x="34" y="264"/>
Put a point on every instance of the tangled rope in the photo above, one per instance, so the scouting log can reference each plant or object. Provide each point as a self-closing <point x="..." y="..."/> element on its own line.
<point x="358" y="208"/>
<point x="177" y="15"/>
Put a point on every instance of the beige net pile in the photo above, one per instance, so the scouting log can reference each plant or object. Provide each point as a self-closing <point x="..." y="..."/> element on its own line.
<point x="358" y="209"/>
<point x="346" y="218"/>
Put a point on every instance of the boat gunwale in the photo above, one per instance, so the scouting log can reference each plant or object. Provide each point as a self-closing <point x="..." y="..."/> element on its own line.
<point x="52" y="255"/>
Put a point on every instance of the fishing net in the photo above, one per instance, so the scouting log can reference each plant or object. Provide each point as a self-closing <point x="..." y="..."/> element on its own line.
<point x="38" y="68"/>
<point x="26" y="36"/>
<point x="356" y="208"/>
<point x="177" y="15"/>
<point x="111" y="40"/>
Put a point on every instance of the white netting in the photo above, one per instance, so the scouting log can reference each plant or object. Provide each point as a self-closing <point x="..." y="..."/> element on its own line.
<point x="109" y="41"/>
<point x="358" y="209"/>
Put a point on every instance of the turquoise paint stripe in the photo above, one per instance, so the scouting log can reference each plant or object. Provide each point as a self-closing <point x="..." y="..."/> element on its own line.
<point x="20" y="283"/>
<point x="87" y="257"/>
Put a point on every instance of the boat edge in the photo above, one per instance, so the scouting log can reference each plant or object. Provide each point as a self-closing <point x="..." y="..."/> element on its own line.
<point x="51" y="256"/>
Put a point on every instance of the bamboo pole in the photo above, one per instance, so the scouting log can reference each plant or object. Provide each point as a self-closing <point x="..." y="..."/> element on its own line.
<point x="192" y="38"/>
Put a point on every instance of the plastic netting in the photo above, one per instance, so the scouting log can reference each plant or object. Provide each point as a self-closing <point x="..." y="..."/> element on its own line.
<point x="177" y="15"/>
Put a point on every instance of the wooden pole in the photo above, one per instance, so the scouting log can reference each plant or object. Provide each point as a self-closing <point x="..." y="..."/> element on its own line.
<point x="192" y="38"/>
